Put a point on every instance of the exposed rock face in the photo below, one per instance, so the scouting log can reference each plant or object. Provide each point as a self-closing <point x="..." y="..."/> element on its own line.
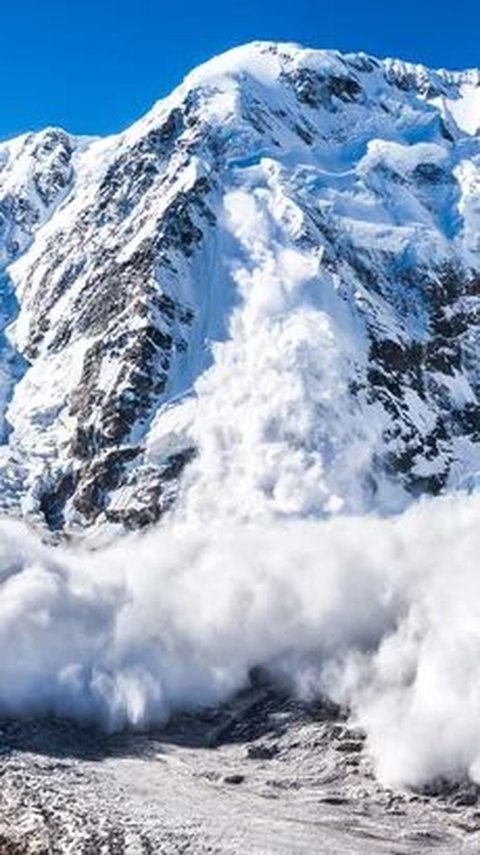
<point x="119" y="272"/>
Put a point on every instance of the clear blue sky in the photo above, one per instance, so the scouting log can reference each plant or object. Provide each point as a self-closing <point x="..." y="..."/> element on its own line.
<point x="93" y="66"/>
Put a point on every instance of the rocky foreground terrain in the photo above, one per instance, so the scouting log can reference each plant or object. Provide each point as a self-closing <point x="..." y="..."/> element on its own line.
<point x="261" y="774"/>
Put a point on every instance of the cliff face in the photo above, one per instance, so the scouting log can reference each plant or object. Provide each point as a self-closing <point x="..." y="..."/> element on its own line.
<point x="273" y="278"/>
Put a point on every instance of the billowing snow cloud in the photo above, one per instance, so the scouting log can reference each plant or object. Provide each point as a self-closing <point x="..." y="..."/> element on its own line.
<point x="381" y="614"/>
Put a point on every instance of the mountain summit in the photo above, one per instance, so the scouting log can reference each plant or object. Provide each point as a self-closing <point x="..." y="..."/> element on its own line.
<point x="260" y="300"/>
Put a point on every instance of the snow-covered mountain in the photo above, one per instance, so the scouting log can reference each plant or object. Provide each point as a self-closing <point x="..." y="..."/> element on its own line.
<point x="269" y="285"/>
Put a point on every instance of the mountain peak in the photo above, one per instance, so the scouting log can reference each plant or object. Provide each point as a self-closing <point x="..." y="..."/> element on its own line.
<point x="266" y="60"/>
<point x="292" y="236"/>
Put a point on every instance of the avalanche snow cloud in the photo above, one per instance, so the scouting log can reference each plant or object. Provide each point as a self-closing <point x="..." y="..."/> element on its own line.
<point x="381" y="614"/>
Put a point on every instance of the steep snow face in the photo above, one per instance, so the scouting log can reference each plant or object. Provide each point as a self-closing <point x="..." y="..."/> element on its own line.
<point x="272" y="277"/>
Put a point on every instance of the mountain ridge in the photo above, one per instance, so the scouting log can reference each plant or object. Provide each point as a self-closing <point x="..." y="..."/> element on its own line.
<point x="137" y="282"/>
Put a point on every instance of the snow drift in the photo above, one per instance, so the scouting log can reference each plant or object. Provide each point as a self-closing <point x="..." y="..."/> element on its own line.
<point x="381" y="614"/>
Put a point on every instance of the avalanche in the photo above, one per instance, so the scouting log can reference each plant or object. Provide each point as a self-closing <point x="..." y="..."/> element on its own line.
<point x="252" y="319"/>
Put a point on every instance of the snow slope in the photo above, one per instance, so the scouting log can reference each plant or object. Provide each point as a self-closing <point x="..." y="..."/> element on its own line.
<point x="275" y="273"/>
